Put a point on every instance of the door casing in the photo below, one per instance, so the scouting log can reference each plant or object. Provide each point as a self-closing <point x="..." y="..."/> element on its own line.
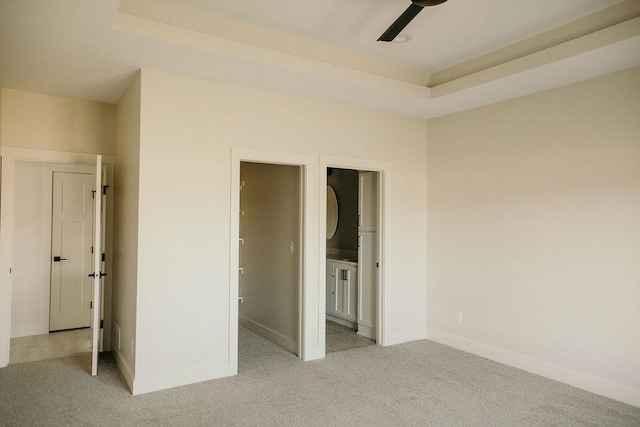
<point x="383" y="168"/>
<point x="9" y="155"/>
<point x="313" y="283"/>
<point x="308" y="293"/>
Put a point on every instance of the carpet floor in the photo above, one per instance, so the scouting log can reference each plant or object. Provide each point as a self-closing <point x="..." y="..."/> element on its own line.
<point x="417" y="383"/>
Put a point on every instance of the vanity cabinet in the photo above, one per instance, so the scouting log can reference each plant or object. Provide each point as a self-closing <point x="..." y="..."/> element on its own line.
<point x="342" y="289"/>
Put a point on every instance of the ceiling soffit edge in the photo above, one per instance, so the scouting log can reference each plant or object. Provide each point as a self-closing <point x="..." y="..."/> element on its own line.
<point x="594" y="23"/>
<point x="243" y="51"/>
<point x="183" y="16"/>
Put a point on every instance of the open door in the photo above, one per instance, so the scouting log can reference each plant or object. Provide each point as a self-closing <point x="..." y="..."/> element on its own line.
<point x="368" y="258"/>
<point x="97" y="267"/>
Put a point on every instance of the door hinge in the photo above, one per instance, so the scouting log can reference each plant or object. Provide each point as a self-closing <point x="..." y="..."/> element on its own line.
<point x="103" y="257"/>
<point x="91" y="249"/>
<point x="104" y="190"/>
<point x="91" y="304"/>
<point x="101" y="324"/>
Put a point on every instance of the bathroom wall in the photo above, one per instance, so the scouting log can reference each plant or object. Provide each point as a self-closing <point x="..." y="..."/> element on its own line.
<point x="344" y="243"/>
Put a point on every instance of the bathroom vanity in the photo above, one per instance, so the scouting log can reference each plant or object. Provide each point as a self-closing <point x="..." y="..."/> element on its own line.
<point x="342" y="292"/>
<point x="350" y="301"/>
<point x="352" y="250"/>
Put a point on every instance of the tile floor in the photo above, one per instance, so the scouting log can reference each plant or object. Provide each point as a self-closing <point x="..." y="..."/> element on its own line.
<point x="340" y="338"/>
<point x="50" y="346"/>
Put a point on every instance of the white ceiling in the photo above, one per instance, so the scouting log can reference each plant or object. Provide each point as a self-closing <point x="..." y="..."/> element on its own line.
<point x="444" y="35"/>
<point x="91" y="49"/>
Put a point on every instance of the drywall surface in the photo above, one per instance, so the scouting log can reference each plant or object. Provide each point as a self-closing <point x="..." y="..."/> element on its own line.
<point x="188" y="129"/>
<point x="269" y="225"/>
<point x="345" y="184"/>
<point x="126" y="192"/>
<point x="36" y="121"/>
<point x="534" y="233"/>
<point x="30" y="297"/>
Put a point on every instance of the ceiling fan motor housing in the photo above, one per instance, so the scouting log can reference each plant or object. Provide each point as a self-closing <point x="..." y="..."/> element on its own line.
<point x="412" y="11"/>
<point x="425" y="3"/>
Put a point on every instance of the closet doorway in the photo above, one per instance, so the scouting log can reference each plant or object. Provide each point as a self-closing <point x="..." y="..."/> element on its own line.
<point x="269" y="254"/>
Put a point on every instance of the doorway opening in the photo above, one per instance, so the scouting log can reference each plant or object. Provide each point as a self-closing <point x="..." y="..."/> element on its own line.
<point x="352" y="258"/>
<point x="269" y="254"/>
<point x="54" y="253"/>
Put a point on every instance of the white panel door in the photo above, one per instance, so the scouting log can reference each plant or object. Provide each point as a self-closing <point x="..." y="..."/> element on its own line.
<point x="368" y="201"/>
<point x="97" y="274"/>
<point x="71" y="242"/>
<point x="367" y="279"/>
<point x="368" y="253"/>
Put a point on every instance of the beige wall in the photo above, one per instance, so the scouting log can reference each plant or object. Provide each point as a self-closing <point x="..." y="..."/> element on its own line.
<point x="126" y="204"/>
<point x="188" y="129"/>
<point x="30" y="281"/>
<point x="534" y="232"/>
<point x="270" y="202"/>
<point x="35" y="121"/>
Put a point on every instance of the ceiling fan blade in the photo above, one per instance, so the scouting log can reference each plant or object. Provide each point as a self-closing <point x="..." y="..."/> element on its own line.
<point x="400" y="23"/>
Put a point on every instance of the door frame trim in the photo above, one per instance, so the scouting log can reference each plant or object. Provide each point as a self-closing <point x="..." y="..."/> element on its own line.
<point x="383" y="168"/>
<point x="309" y="342"/>
<point x="8" y="156"/>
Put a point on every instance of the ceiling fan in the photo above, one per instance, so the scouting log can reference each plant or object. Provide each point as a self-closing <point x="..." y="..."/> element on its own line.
<point x="414" y="8"/>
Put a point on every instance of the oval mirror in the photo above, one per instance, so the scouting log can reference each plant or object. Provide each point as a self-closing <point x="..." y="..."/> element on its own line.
<point x="332" y="212"/>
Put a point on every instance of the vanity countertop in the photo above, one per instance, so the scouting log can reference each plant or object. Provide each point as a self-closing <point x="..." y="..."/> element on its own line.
<point x="347" y="260"/>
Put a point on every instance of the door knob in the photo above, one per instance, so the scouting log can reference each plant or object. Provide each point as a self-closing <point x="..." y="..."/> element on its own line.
<point x="58" y="259"/>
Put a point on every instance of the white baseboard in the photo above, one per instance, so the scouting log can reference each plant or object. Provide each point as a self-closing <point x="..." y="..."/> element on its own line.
<point x="179" y="378"/>
<point x="402" y="336"/>
<point x="601" y="386"/>
<point x="270" y="334"/>
<point x="124" y="368"/>
<point x="19" y="331"/>
<point x="366" y="331"/>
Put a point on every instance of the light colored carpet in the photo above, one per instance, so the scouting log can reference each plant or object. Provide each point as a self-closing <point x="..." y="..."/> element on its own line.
<point x="341" y="338"/>
<point x="418" y="383"/>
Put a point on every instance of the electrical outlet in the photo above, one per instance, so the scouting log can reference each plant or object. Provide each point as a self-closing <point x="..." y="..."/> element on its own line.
<point x="459" y="317"/>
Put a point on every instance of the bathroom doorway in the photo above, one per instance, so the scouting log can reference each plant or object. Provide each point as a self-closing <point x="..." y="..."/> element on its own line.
<point x="352" y="258"/>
